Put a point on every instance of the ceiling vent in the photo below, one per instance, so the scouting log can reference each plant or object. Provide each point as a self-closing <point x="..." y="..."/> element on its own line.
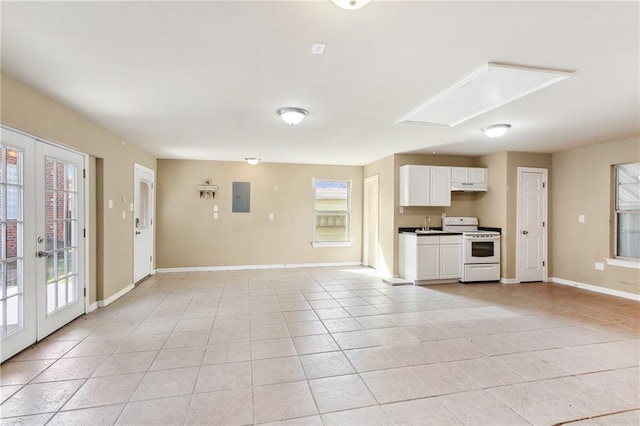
<point x="487" y="88"/>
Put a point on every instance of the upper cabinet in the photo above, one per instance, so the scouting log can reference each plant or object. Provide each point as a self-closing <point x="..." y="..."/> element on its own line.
<point x="425" y="186"/>
<point x="468" y="179"/>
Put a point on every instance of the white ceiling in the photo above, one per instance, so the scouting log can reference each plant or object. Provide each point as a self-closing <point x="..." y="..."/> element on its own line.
<point x="203" y="80"/>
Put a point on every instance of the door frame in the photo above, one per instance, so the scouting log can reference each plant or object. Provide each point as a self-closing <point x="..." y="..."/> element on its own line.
<point x="370" y="218"/>
<point x="139" y="167"/>
<point x="545" y="218"/>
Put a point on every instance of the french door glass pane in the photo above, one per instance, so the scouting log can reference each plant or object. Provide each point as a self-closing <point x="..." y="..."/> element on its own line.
<point x="11" y="226"/>
<point x="62" y="236"/>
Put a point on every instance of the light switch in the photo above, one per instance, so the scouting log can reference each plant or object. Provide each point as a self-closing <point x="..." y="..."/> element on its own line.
<point x="270" y="216"/>
<point x="110" y="204"/>
<point x="581" y="218"/>
<point x="124" y="214"/>
<point x="215" y="209"/>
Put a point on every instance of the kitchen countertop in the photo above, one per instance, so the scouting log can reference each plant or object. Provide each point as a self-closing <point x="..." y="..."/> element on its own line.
<point x="439" y="231"/>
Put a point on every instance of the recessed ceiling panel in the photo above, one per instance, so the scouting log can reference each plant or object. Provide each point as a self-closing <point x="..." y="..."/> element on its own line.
<point x="487" y="88"/>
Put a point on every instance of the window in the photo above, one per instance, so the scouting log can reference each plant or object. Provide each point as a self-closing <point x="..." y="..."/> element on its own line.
<point x="332" y="208"/>
<point x="627" y="211"/>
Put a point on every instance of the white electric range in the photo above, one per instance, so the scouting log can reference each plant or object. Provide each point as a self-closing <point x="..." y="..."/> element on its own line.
<point x="480" y="249"/>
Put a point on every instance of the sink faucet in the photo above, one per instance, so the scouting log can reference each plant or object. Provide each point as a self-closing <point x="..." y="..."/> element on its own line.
<point x="427" y="222"/>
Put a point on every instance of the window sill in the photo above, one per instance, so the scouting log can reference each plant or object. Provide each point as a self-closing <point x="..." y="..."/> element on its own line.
<point x="332" y="244"/>
<point x="624" y="263"/>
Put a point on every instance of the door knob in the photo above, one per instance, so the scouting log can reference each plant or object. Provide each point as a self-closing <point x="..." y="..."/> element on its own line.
<point x="525" y="232"/>
<point x="43" y="254"/>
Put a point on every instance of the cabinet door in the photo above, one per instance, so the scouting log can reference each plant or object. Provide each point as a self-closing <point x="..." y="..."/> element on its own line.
<point x="428" y="262"/>
<point x="450" y="261"/>
<point x="440" y="186"/>
<point x="459" y="174"/>
<point x="414" y="185"/>
<point x="477" y="175"/>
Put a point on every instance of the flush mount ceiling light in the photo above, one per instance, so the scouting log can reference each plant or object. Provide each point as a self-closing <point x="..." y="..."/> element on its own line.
<point x="292" y="115"/>
<point x="487" y="88"/>
<point x="350" y="4"/>
<point x="496" y="130"/>
<point x="252" y="160"/>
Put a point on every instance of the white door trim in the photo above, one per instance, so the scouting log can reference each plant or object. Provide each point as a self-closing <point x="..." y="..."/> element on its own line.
<point x="545" y="215"/>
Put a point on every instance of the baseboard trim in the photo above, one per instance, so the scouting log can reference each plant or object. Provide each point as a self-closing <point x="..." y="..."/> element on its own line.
<point x="252" y="267"/>
<point x="508" y="281"/>
<point x="92" y="307"/>
<point x="597" y="289"/>
<point x="118" y="295"/>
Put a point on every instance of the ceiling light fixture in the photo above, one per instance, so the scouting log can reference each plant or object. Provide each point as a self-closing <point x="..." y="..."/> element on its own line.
<point x="350" y="4"/>
<point x="252" y="160"/>
<point x="496" y="130"/>
<point x="292" y="115"/>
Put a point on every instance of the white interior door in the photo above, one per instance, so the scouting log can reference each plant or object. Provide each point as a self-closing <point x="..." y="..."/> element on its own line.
<point x="143" y="222"/>
<point x="371" y="224"/>
<point x="532" y="222"/>
<point x="60" y="269"/>
<point x="17" y="266"/>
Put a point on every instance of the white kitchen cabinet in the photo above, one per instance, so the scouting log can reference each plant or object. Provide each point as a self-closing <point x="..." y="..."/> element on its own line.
<point x="450" y="257"/>
<point x="426" y="259"/>
<point x="468" y="179"/>
<point x="425" y="185"/>
<point x="428" y="266"/>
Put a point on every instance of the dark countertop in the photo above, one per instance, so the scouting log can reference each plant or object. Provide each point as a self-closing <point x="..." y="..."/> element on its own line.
<point x="412" y="230"/>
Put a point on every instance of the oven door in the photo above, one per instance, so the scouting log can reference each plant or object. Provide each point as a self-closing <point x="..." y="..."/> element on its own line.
<point x="481" y="250"/>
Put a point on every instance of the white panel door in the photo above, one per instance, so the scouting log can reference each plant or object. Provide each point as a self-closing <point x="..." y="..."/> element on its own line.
<point x="531" y="224"/>
<point x="17" y="265"/>
<point x="60" y="271"/>
<point x="143" y="222"/>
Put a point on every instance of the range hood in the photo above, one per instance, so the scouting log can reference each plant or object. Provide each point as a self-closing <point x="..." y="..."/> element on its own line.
<point x="468" y="187"/>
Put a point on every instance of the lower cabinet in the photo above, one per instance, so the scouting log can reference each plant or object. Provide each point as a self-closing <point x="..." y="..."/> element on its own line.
<point x="428" y="259"/>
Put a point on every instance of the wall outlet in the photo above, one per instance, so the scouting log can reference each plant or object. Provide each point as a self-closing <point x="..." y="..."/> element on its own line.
<point x="401" y="209"/>
<point x="215" y="216"/>
<point x="271" y="216"/>
<point x="599" y="266"/>
<point x="124" y="214"/>
<point x="110" y="204"/>
<point x="131" y="206"/>
<point x="581" y="218"/>
<point x="215" y="209"/>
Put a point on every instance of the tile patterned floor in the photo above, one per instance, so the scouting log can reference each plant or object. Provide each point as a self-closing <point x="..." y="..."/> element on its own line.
<point x="333" y="346"/>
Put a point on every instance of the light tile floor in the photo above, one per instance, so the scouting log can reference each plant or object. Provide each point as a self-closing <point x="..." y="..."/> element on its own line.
<point x="333" y="346"/>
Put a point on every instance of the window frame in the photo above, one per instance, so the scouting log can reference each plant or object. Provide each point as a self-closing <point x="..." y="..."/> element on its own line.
<point x="616" y="259"/>
<point x="347" y="242"/>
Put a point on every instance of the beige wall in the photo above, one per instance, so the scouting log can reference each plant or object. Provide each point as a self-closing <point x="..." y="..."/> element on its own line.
<point x="491" y="206"/>
<point x="582" y="184"/>
<point x="384" y="168"/>
<point x="189" y="237"/>
<point x="27" y="110"/>
<point x="498" y="206"/>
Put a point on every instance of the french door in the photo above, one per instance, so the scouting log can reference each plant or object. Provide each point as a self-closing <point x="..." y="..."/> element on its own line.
<point x="42" y="225"/>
